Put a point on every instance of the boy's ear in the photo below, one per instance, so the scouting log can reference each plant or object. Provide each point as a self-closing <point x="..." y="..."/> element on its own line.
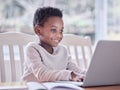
<point x="37" y="30"/>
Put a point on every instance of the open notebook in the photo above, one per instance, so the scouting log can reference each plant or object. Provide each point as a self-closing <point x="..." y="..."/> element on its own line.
<point x="52" y="86"/>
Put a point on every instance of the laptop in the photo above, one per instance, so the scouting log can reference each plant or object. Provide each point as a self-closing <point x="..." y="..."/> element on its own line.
<point x="104" y="68"/>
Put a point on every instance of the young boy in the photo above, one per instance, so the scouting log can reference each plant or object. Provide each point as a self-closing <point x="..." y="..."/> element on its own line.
<point x="47" y="60"/>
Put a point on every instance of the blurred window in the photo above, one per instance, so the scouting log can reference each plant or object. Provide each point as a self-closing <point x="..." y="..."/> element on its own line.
<point x="79" y="16"/>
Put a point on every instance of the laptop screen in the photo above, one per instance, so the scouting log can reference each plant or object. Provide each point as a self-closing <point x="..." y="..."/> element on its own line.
<point x="104" y="68"/>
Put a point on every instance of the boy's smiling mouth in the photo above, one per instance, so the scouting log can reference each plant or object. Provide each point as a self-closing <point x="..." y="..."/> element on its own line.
<point x="56" y="41"/>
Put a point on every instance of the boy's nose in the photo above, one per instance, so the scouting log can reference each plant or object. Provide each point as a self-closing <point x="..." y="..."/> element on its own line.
<point x="59" y="35"/>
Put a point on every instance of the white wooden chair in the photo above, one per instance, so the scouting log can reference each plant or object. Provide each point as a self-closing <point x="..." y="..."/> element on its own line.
<point x="12" y="55"/>
<point x="80" y="49"/>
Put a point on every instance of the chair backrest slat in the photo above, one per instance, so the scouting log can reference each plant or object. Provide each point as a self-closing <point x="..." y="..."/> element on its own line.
<point x="2" y="66"/>
<point x="12" y="63"/>
<point x="21" y="51"/>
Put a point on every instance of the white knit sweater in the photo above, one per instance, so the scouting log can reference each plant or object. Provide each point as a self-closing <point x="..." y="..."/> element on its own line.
<point x="42" y="66"/>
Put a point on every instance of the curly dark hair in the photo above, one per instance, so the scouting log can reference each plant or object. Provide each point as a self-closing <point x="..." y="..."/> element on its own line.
<point x="42" y="14"/>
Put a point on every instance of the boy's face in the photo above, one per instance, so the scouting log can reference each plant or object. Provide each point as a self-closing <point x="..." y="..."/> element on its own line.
<point x="52" y="31"/>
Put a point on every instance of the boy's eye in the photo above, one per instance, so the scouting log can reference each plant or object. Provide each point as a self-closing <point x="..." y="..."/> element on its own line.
<point x="53" y="30"/>
<point x="61" y="31"/>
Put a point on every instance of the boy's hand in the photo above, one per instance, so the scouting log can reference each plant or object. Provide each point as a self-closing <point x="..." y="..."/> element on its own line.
<point x="77" y="78"/>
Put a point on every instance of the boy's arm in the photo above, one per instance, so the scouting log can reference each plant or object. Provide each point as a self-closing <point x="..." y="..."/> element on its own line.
<point x="73" y="67"/>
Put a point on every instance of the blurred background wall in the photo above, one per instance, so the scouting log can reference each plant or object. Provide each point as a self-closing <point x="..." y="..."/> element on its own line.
<point x="99" y="19"/>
